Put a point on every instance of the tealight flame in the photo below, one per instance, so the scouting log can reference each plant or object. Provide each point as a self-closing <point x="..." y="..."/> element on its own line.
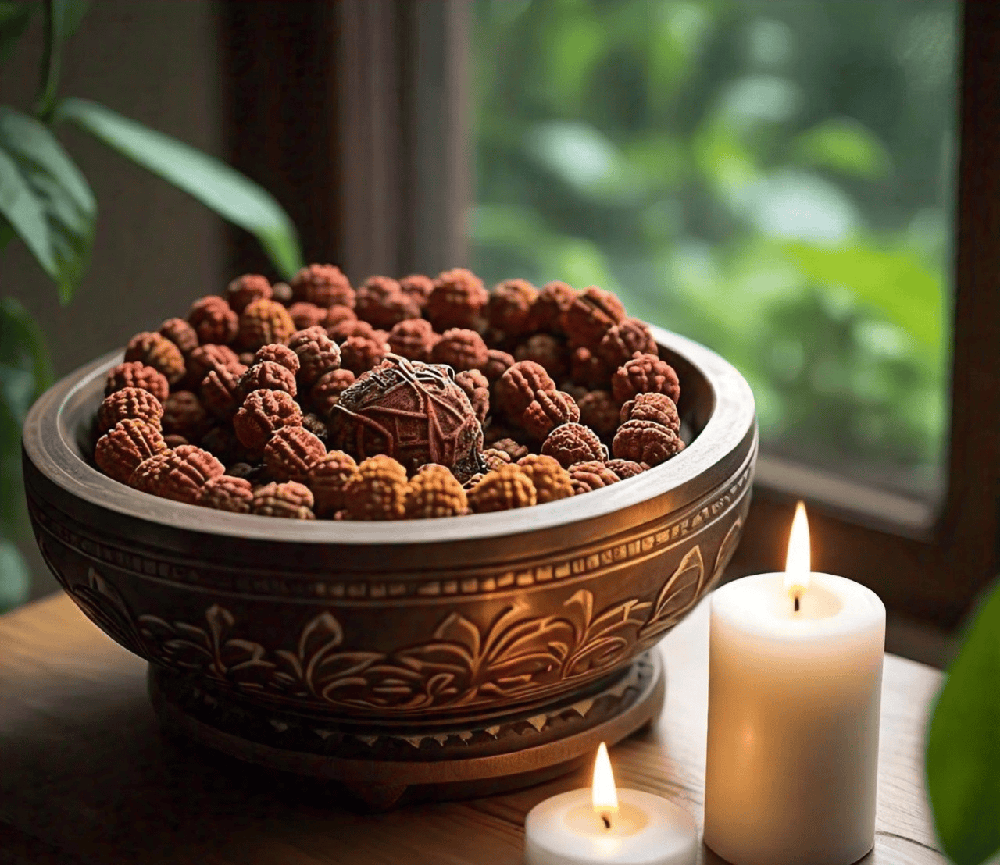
<point x="603" y="794"/>
<point x="797" y="565"/>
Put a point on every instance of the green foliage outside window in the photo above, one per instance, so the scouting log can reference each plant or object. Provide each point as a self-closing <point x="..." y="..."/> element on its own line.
<point x="773" y="179"/>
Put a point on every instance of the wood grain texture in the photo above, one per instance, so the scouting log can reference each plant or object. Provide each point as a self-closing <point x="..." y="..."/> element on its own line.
<point x="85" y="776"/>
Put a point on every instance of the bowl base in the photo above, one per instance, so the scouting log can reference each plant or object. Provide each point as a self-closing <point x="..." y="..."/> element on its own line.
<point x="387" y="766"/>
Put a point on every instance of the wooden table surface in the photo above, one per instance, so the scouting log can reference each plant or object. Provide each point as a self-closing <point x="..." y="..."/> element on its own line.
<point x="86" y="777"/>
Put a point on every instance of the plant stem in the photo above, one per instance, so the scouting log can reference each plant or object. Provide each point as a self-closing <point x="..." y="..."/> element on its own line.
<point x="49" y="75"/>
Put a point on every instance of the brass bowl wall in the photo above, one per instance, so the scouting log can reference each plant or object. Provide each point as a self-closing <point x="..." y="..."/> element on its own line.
<point x="418" y="622"/>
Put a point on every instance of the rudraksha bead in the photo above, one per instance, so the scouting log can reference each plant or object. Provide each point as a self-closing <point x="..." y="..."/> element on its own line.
<point x="291" y="452"/>
<point x="502" y="489"/>
<point x="337" y="315"/>
<point x="495" y="458"/>
<point x="307" y="315"/>
<point x="175" y="440"/>
<point x="381" y="301"/>
<point x="325" y="393"/>
<point x="549" y="409"/>
<point x="179" y="474"/>
<point x="574" y="443"/>
<point x="263" y="322"/>
<point x="346" y="328"/>
<point x="589" y="370"/>
<point x="181" y="334"/>
<point x="328" y="478"/>
<point x="547" y="351"/>
<point x="120" y="450"/>
<point x="625" y="339"/>
<point x="656" y="407"/>
<point x="647" y="442"/>
<point x="226" y="493"/>
<point x="218" y="392"/>
<point x="222" y="442"/>
<point x="413" y="339"/>
<point x="592" y="314"/>
<point x="509" y="306"/>
<point x="418" y="286"/>
<point x="434" y="492"/>
<point x="129" y="403"/>
<point x="626" y="468"/>
<point x="324" y="285"/>
<point x="412" y="411"/>
<point x="316" y="425"/>
<point x="288" y="500"/>
<point x="477" y="389"/>
<point x="156" y="351"/>
<point x="600" y="412"/>
<point x="514" y="449"/>
<point x="206" y="358"/>
<point x="282" y="292"/>
<point x="136" y="374"/>
<point x="461" y="349"/>
<point x="317" y="354"/>
<point x="517" y="387"/>
<point x="361" y="353"/>
<point x="591" y="475"/>
<point x="552" y="482"/>
<point x="279" y="354"/>
<point x="244" y="290"/>
<point x="213" y="320"/>
<point x="262" y="413"/>
<point x="550" y="306"/>
<point x="644" y="373"/>
<point x="456" y="300"/>
<point x="497" y="363"/>
<point x="266" y="375"/>
<point x="184" y="415"/>
<point x="377" y="491"/>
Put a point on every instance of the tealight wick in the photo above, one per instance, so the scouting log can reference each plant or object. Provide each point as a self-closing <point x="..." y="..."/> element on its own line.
<point x="607" y="821"/>
<point x="797" y="601"/>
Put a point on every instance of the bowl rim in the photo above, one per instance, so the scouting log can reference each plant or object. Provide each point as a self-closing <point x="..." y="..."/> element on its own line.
<point x="50" y="444"/>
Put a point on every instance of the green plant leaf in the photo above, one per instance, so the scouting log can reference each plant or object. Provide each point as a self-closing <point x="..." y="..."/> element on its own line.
<point x="963" y="745"/>
<point x="62" y="17"/>
<point x="232" y="195"/>
<point x="843" y="145"/>
<point x="45" y="199"/>
<point x="22" y="344"/>
<point x="14" y="576"/>
<point x="14" y="19"/>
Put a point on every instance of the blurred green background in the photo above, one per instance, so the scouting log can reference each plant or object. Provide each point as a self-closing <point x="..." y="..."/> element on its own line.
<point x="774" y="179"/>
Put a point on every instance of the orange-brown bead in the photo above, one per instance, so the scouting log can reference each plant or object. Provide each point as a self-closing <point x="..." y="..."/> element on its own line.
<point x="213" y="320"/>
<point x="291" y="453"/>
<point x="502" y="489"/>
<point x="136" y="374"/>
<point x="381" y="301"/>
<point x="624" y="340"/>
<point x="377" y="491"/>
<point x="413" y="339"/>
<point x="647" y="442"/>
<point x="263" y="322"/>
<point x="509" y="306"/>
<point x="120" y="450"/>
<point x="287" y="500"/>
<point x="328" y="479"/>
<point x="591" y="475"/>
<point x="477" y="389"/>
<point x="129" y="403"/>
<point x="226" y="493"/>
<point x="434" y="492"/>
<point x="181" y="334"/>
<point x="599" y="411"/>
<point x="573" y="443"/>
<point x="552" y="481"/>
<point x="155" y="350"/>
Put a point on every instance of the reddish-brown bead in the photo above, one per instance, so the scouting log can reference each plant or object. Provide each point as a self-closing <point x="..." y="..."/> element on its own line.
<point x="226" y="493"/>
<point x="494" y="458"/>
<point x="413" y="339"/>
<point x="656" y="407"/>
<point x="377" y="491"/>
<point x="184" y="415"/>
<point x="181" y="334"/>
<point x="626" y="468"/>
<point x="263" y="322"/>
<point x="502" y="489"/>
<point x="624" y="340"/>
<point x="282" y="292"/>
<point x="218" y="392"/>
<point x="548" y="410"/>
<point x="328" y="478"/>
<point x="213" y="320"/>
<point x="599" y="411"/>
<point x="552" y="482"/>
<point x="647" y="442"/>
<point x="591" y="475"/>
<point x="263" y="412"/>
<point x="136" y="374"/>
<point x="325" y="393"/>
<point x="497" y="363"/>
<point x="246" y="289"/>
<point x="461" y="349"/>
<point x="266" y="375"/>
<point x="322" y="284"/>
<point x="156" y="351"/>
<point x="574" y="443"/>
<point x="361" y="353"/>
<point x="457" y="299"/>
<point x="645" y="373"/>
<point x="179" y="474"/>
<point x="477" y="389"/>
<point x="291" y="452"/>
<point x="547" y="351"/>
<point x="279" y="354"/>
<point x="317" y="354"/>
<point x="592" y="314"/>
<point x="288" y="500"/>
<point x="509" y="306"/>
<point x="433" y="493"/>
<point x="417" y="286"/>
<point x="129" y="403"/>
<point x="381" y="301"/>
<point x="206" y="358"/>
<point x="120" y="450"/>
<point x="509" y="446"/>
<point x="550" y="306"/>
<point x="307" y="315"/>
<point x="589" y="370"/>
<point x="517" y="387"/>
<point x="348" y="327"/>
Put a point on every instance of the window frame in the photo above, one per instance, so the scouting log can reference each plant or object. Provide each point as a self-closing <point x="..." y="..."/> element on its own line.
<point x="385" y="135"/>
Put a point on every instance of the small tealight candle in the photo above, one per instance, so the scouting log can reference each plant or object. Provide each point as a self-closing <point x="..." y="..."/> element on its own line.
<point x="607" y="825"/>
<point x="795" y="674"/>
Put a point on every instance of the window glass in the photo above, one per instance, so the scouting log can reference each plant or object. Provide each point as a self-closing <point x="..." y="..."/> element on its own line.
<point x="774" y="179"/>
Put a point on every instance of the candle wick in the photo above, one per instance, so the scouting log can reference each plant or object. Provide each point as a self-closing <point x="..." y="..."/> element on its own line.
<point x="797" y="602"/>
<point x="607" y="821"/>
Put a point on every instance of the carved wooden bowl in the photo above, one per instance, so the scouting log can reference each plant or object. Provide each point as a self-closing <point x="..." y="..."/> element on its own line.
<point x="428" y="622"/>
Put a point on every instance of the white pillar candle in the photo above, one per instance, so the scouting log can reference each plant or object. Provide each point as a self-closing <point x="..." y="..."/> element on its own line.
<point x="605" y="825"/>
<point x="795" y="673"/>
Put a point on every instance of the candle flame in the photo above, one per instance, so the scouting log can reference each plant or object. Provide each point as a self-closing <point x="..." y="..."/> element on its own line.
<point x="797" y="565"/>
<point x="603" y="794"/>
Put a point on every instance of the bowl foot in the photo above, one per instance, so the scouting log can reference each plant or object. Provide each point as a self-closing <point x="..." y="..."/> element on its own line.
<point x="384" y="766"/>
